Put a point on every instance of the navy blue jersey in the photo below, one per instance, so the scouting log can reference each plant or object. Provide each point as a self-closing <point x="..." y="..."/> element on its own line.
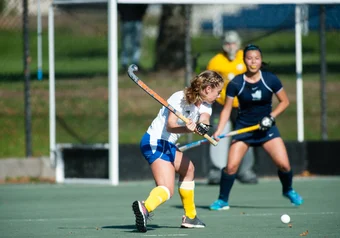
<point x="255" y="99"/>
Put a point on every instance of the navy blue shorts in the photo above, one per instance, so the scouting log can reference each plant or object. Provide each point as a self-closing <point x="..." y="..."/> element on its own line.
<point x="256" y="138"/>
<point x="162" y="149"/>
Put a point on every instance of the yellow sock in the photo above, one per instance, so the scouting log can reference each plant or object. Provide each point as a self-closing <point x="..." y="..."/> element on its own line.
<point x="157" y="196"/>
<point x="186" y="191"/>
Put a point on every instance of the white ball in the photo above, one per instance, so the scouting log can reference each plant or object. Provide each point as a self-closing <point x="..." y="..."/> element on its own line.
<point x="285" y="218"/>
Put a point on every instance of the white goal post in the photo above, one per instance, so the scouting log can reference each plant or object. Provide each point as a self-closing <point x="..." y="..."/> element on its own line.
<point x="113" y="145"/>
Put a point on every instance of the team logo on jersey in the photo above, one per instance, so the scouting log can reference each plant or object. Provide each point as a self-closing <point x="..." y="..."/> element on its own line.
<point x="257" y="95"/>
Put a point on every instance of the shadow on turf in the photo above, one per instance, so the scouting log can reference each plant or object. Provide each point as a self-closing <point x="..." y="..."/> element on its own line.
<point x="132" y="228"/>
<point x="242" y="206"/>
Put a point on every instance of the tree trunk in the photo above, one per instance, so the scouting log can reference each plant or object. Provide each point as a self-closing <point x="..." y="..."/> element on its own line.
<point x="170" y="43"/>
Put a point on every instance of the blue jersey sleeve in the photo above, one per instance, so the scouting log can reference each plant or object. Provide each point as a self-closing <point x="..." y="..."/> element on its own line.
<point x="274" y="82"/>
<point x="234" y="86"/>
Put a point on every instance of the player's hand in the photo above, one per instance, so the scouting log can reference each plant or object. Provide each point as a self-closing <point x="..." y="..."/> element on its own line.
<point x="215" y="136"/>
<point x="191" y="126"/>
<point x="202" y="128"/>
<point x="267" y="122"/>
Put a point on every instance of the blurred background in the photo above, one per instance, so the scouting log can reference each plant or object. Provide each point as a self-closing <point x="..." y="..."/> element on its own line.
<point x="81" y="66"/>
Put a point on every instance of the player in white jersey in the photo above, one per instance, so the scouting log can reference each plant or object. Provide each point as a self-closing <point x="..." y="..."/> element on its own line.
<point x="157" y="129"/>
<point x="158" y="146"/>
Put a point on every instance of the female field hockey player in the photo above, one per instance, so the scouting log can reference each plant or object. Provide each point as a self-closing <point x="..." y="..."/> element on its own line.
<point x="254" y="90"/>
<point x="159" y="149"/>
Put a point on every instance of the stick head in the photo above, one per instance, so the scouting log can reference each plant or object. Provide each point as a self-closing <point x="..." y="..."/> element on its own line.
<point x="132" y="68"/>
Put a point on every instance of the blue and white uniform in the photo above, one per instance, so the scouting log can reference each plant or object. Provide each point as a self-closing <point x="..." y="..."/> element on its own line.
<point x="255" y="102"/>
<point x="157" y="142"/>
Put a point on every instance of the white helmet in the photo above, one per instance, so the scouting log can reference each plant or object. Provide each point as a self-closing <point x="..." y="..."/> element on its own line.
<point x="229" y="38"/>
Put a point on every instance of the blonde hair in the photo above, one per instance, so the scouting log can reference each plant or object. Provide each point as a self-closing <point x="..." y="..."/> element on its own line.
<point x="199" y="83"/>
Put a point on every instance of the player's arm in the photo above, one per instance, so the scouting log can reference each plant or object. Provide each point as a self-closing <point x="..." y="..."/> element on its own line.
<point x="203" y="125"/>
<point x="224" y="117"/>
<point x="283" y="103"/>
<point x="269" y="121"/>
<point x="173" y="127"/>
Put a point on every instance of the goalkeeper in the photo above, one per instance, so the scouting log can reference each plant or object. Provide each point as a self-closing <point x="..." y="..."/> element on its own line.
<point x="228" y="63"/>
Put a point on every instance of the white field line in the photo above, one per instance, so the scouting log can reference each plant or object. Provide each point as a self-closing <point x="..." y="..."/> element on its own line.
<point x="165" y="217"/>
<point x="166" y="235"/>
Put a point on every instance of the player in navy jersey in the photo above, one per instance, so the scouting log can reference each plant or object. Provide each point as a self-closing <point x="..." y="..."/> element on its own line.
<point x="255" y="89"/>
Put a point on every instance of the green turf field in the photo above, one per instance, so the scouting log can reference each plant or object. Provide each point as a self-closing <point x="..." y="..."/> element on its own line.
<point x="50" y="210"/>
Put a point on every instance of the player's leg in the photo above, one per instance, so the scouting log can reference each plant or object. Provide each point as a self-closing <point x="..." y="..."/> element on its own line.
<point x="186" y="188"/>
<point x="246" y="173"/>
<point x="163" y="170"/>
<point x="277" y="151"/>
<point x="228" y="174"/>
<point x="164" y="175"/>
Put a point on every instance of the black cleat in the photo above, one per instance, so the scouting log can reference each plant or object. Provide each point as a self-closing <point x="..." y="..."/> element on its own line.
<point x="141" y="214"/>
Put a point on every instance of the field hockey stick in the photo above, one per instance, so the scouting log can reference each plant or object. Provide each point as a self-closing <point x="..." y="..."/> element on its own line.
<point x="232" y="133"/>
<point x="159" y="99"/>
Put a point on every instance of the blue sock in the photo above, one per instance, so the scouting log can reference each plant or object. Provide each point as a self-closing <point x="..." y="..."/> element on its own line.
<point x="286" y="179"/>
<point x="227" y="181"/>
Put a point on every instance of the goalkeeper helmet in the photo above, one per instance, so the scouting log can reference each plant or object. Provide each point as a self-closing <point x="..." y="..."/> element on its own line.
<point x="231" y="44"/>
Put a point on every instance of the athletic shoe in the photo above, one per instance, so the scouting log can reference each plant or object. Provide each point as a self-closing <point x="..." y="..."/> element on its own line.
<point x="192" y="223"/>
<point x="141" y="214"/>
<point x="294" y="197"/>
<point x="219" y="205"/>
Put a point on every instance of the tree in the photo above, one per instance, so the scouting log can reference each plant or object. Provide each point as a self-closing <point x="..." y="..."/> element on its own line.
<point x="170" y="43"/>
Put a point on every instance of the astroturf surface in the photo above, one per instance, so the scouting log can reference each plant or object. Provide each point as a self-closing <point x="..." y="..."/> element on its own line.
<point x="52" y="210"/>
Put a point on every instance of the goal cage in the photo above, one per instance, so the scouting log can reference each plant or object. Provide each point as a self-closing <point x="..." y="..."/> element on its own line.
<point x="200" y="23"/>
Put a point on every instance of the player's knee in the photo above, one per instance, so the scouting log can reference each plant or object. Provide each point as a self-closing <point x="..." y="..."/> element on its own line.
<point x="284" y="167"/>
<point x="231" y="169"/>
<point x="186" y="171"/>
<point x="170" y="190"/>
<point x="191" y="169"/>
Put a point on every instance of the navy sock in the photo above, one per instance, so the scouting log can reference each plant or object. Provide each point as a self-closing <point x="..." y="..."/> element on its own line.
<point x="227" y="181"/>
<point x="286" y="179"/>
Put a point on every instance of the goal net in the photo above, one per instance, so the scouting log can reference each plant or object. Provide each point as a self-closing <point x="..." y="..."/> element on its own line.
<point x="81" y="33"/>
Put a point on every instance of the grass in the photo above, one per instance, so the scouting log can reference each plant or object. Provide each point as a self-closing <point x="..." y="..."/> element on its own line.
<point x="82" y="89"/>
<point x="82" y="109"/>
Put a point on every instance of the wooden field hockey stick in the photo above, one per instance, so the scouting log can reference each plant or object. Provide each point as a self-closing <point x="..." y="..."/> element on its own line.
<point x="159" y="99"/>
<point x="232" y="133"/>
